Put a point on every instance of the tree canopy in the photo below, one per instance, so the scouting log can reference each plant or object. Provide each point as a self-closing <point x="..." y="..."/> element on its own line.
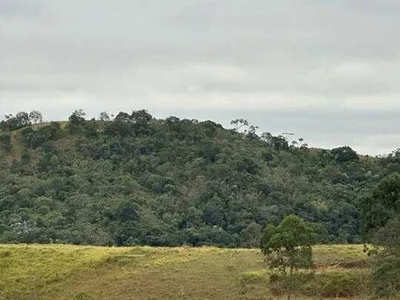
<point x="288" y="245"/>
<point x="134" y="179"/>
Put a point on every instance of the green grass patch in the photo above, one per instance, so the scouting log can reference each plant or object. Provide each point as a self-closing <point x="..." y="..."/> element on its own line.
<point x="49" y="272"/>
<point x="339" y="255"/>
<point x="254" y="277"/>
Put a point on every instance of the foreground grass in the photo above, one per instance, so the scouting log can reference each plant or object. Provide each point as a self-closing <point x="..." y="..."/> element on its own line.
<point x="85" y="273"/>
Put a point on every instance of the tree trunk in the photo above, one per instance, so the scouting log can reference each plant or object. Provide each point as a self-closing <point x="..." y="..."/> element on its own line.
<point x="290" y="282"/>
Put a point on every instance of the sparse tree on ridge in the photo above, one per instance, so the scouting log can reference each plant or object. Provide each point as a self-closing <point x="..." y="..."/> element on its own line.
<point x="76" y="121"/>
<point x="35" y="116"/>
<point x="239" y="123"/>
<point x="104" y="117"/>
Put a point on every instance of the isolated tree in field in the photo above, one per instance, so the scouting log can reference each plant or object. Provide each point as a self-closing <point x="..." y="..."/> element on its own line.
<point x="35" y="116"/>
<point x="288" y="247"/>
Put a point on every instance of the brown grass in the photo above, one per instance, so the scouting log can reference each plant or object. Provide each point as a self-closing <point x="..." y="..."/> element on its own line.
<point x="142" y="273"/>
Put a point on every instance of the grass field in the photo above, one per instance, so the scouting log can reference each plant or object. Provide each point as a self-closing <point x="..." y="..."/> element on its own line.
<point x="59" y="272"/>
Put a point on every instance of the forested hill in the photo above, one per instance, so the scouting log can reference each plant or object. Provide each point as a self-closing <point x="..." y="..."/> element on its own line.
<point x="134" y="179"/>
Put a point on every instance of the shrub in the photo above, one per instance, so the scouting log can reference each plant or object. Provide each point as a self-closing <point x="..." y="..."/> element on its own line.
<point x="344" y="284"/>
<point x="297" y="283"/>
<point x="338" y="284"/>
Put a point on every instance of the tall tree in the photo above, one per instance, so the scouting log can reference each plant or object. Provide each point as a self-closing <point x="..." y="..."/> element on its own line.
<point x="386" y="268"/>
<point x="288" y="246"/>
<point x="76" y="121"/>
<point x="104" y="117"/>
<point x="344" y="154"/>
<point x="35" y="116"/>
<point x="5" y="139"/>
<point x="382" y="205"/>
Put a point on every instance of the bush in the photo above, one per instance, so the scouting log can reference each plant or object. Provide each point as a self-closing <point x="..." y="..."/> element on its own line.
<point x="344" y="284"/>
<point x="386" y="276"/>
<point x="297" y="283"/>
<point x="340" y="284"/>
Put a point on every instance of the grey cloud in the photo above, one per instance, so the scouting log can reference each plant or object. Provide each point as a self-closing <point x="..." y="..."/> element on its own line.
<point x="292" y="61"/>
<point x="13" y="8"/>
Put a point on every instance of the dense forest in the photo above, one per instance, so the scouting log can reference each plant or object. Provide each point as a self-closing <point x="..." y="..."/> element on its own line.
<point x="136" y="180"/>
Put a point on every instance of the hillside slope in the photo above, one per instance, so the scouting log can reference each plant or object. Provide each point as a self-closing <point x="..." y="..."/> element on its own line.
<point x="137" y="180"/>
<point x="86" y="273"/>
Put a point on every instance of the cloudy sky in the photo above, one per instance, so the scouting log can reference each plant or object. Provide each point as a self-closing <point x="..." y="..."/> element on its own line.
<point x="328" y="71"/>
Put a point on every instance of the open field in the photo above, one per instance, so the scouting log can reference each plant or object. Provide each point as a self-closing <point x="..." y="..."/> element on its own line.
<point x="82" y="273"/>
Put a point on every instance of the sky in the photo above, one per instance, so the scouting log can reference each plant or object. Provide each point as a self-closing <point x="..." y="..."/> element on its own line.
<point x="327" y="71"/>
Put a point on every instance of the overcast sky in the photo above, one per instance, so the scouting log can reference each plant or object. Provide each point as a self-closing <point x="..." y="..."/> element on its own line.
<point x="326" y="70"/>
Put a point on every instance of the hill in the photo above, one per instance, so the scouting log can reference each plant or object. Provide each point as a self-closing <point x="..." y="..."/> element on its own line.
<point x="137" y="180"/>
<point x="102" y="273"/>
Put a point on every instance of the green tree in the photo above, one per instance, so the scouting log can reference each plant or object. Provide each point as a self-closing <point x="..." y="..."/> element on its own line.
<point x="344" y="154"/>
<point x="11" y="122"/>
<point x="35" y="116"/>
<point x="381" y="225"/>
<point x="382" y="205"/>
<point x="76" y="121"/>
<point x="386" y="269"/>
<point x="5" y="139"/>
<point x="104" y="117"/>
<point x="239" y="123"/>
<point x="288" y="247"/>
<point x="29" y="137"/>
<point x="277" y="142"/>
<point x="251" y="235"/>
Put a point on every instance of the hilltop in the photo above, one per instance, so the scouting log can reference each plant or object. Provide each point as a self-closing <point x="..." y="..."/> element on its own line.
<point x="137" y="180"/>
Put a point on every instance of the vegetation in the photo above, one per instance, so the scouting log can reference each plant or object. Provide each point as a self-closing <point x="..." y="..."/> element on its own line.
<point x="133" y="180"/>
<point x="288" y="246"/>
<point x="136" y="180"/>
<point x="103" y="273"/>
<point x="381" y="219"/>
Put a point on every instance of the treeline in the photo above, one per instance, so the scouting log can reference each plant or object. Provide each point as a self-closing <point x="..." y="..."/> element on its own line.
<point x="288" y="249"/>
<point x="131" y="179"/>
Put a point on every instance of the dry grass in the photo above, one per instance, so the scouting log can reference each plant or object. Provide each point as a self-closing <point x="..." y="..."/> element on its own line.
<point x="144" y="273"/>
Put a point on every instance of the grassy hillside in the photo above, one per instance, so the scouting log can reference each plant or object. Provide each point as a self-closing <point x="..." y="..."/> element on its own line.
<point x="144" y="273"/>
